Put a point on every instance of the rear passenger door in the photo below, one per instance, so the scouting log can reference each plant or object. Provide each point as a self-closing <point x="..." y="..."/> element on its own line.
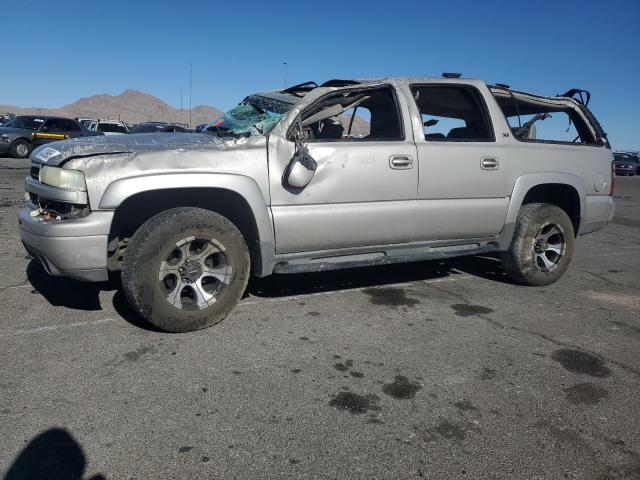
<point x="463" y="188"/>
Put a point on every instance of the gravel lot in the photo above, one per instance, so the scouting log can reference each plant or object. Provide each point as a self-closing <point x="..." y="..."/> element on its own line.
<point x="431" y="370"/>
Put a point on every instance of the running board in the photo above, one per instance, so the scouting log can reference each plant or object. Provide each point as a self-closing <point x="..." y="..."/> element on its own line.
<point x="321" y="264"/>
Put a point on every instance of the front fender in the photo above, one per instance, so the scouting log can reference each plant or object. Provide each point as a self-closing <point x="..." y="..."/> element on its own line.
<point x="119" y="190"/>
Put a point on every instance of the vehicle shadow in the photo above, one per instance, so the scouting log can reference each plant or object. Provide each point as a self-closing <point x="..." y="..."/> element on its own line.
<point x="60" y="291"/>
<point x="122" y="307"/>
<point x="53" y="454"/>
<point x="85" y="296"/>
<point x="487" y="267"/>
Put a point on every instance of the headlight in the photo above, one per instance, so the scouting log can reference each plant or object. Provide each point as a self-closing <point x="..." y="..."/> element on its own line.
<point x="62" y="178"/>
<point x="4" y="139"/>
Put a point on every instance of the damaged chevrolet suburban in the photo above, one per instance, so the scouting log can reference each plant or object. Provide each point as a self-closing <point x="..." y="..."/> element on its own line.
<point x="319" y="177"/>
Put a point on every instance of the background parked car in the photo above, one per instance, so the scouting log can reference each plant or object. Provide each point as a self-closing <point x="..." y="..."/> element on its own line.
<point x="85" y="121"/>
<point x="5" y="117"/>
<point x="108" y="127"/>
<point x="21" y="135"/>
<point x="155" y="127"/>
<point x="626" y="163"/>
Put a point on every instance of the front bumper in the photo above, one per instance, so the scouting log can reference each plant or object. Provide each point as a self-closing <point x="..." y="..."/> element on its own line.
<point x="75" y="248"/>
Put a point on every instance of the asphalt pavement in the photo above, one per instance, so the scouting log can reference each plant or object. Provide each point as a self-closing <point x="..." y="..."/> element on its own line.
<point x="429" y="370"/>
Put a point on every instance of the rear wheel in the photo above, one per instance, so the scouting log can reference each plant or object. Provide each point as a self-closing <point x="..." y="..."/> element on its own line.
<point x="185" y="269"/>
<point x="542" y="245"/>
<point x="20" y="149"/>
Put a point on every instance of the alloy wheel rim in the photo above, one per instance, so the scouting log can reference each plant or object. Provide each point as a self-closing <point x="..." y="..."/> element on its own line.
<point x="549" y="246"/>
<point x="21" y="149"/>
<point x="195" y="273"/>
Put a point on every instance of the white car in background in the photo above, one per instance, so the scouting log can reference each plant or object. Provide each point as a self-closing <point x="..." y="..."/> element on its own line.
<point x="85" y="121"/>
<point x="108" y="127"/>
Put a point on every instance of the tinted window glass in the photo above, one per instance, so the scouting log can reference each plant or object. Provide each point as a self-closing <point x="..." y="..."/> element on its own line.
<point x="111" y="127"/>
<point x="71" y="126"/>
<point x="30" y="123"/>
<point x="452" y="113"/>
<point x="148" y="128"/>
<point x="55" y="125"/>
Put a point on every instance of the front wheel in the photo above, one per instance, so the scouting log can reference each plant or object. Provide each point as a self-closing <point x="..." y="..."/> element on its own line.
<point x="542" y="245"/>
<point x="20" y="149"/>
<point x="185" y="269"/>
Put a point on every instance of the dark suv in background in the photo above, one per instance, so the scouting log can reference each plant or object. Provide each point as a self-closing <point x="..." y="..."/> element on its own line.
<point x="22" y="134"/>
<point x="626" y="163"/>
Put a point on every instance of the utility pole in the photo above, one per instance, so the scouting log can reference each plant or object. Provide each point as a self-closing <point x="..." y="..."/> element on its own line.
<point x="285" y="74"/>
<point x="190" y="89"/>
<point x="181" y="116"/>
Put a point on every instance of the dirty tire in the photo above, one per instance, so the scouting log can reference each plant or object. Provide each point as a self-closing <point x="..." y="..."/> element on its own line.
<point x="150" y="246"/>
<point x="519" y="260"/>
<point x="20" y="149"/>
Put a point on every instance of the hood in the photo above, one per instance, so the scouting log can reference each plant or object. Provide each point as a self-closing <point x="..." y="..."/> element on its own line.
<point x="59" y="152"/>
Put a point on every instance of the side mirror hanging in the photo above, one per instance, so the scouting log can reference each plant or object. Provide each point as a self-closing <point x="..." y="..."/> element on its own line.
<point x="302" y="166"/>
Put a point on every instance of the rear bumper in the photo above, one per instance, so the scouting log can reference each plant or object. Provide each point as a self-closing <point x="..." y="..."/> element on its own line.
<point x="69" y="248"/>
<point x="599" y="210"/>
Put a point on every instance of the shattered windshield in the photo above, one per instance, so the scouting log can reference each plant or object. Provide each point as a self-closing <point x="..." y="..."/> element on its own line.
<point x="255" y="116"/>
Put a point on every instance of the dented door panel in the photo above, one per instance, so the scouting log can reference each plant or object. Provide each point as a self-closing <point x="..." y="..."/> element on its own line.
<point x="355" y="197"/>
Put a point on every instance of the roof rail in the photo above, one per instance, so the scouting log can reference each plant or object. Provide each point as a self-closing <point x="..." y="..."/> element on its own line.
<point x="451" y="75"/>
<point x="301" y="87"/>
<point x="339" y="83"/>
<point x="579" y="95"/>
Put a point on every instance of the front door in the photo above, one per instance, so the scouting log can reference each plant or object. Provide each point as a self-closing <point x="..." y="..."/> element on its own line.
<point x="72" y="129"/>
<point x="363" y="190"/>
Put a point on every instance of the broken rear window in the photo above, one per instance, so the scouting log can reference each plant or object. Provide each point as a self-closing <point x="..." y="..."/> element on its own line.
<point x="540" y="119"/>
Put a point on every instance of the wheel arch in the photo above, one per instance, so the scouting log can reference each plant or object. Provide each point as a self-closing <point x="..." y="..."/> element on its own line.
<point x="566" y="191"/>
<point x="25" y="139"/>
<point x="235" y="197"/>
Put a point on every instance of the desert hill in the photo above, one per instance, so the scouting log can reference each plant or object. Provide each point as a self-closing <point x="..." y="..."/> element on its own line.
<point x="130" y="106"/>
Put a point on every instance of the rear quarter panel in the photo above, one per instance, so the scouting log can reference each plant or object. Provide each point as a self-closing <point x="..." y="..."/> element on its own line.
<point x="586" y="168"/>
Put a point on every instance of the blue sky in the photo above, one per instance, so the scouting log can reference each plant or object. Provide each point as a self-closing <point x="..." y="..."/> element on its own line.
<point x="58" y="51"/>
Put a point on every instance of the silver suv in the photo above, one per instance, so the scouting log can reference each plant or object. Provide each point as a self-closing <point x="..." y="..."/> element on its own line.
<point x="344" y="174"/>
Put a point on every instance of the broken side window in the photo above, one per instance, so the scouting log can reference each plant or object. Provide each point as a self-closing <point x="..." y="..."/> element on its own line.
<point x="452" y="113"/>
<point x="354" y="115"/>
<point x="540" y="119"/>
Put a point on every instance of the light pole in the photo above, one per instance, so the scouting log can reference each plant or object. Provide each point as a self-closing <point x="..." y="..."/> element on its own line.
<point x="285" y="74"/>
<point x="190" y="89"/>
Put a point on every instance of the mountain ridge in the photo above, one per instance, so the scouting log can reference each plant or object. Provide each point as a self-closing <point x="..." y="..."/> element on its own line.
<point x="130" y="106"/>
